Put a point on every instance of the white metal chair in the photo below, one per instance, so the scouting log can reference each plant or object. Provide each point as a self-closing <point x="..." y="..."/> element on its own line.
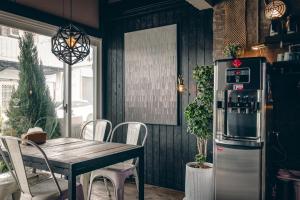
<point x="100" y="126"/>
<point x="86" y="133"/>
<point x="48" y="189"/>
<point x="8" y="186"/>
<point x="118" y="173"/>
<point x="8" y="183"/>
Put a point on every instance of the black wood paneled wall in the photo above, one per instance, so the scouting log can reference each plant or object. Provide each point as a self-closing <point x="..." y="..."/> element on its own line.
<point x="168" y="148"/>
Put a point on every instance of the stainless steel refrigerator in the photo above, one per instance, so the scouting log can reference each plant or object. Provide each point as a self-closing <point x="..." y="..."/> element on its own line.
<point x="240" y="129"/>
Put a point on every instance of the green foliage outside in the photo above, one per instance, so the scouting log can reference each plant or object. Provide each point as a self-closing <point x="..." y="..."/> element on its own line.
<point x="31" y="100"/>
<point x="199" y="113"/>
<point x="3" y="167"/>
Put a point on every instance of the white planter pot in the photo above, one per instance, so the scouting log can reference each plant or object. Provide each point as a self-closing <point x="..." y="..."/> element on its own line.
<point x="199" y="183"/>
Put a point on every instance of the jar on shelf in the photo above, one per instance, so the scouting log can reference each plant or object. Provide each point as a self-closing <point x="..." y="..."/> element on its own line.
<point x="291" y="24"/>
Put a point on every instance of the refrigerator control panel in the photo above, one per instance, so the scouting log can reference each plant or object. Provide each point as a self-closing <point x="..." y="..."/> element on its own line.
<point x="237" y="75"/>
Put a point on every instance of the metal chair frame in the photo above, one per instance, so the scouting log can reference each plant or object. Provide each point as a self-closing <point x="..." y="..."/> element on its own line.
<point x="135" y="163"/>
<point x="127" y="123"/>
<point x="9" y="169"/>
<point x="82" y="132"/>
<point x="4" y="141"/>
<point x="84" y="178"/>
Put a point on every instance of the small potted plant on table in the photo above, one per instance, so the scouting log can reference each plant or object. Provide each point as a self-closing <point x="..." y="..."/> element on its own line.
<point x="199" y="116"/>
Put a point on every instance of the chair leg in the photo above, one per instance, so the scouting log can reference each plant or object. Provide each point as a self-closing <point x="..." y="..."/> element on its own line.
<point x="16" y="195"/>
<point x="119" y="183"/>
<point x="119" y="191"/>
<point x="136" y="177"/>
<point x="79" y="193"/>
<point x="84" y="180"/>
<point x="90" y="189"/>
<point x="106" y="186"/>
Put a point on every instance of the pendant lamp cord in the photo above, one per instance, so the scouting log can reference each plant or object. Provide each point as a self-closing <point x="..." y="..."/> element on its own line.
<point x="71" y="8"/>
<point x="266" y="2"/>
<point x="63" y="8"/>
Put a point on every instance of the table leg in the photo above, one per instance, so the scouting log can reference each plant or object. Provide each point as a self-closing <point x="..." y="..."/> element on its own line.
<point x="141" y="177"/>
<point x="72" y="185"/>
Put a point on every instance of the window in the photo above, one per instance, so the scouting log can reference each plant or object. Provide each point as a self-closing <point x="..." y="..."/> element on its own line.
<point x="7" y="89"/>
<point x="85" y="98"/>
<point x="14" y="32"/>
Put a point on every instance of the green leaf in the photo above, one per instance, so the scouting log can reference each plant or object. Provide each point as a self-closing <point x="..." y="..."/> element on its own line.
<point x="199" y="113"/>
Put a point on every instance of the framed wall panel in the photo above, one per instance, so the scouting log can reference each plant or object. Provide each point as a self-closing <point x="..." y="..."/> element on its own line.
<point x="150" y="75"/>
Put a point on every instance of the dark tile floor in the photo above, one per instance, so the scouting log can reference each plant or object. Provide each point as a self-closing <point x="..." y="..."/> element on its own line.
<point x="151" y="192"/>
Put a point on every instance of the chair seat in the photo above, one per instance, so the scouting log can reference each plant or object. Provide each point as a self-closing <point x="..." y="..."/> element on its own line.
<point x="125" y="169"/>
<point x="120" y="167"/>
<point x="47" y="190"/>
<point x="8" y="184"/>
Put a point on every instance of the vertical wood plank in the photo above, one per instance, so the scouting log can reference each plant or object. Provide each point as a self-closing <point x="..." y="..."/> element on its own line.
<point x="149" y="23"/>
<point x="170" y="157"/>
<point x="178" y="160"/>
<point x="192" y="62"/>
<point x="170" y="129"/>
<point x="209" y="61"/>
<point x="108" y="79"/>
<point x="156" y="155"/>
<point x="140" y="26"/>
<point x="149" y="155"/>
<point x="155" y="132"/>
<point x="184" y="40"/>
<point x="163" y="155"/>
<point x="119" y="82"/>
<point x="201" y="39"/>
<point x="114" y="81"/>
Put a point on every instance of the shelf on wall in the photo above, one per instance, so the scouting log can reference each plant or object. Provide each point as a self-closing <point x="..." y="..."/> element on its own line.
<point x="292" y="38"/>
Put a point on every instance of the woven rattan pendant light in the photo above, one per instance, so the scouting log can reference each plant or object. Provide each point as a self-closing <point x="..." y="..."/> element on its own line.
<point x="275" y="9"/>
<point x="70" y="44"/>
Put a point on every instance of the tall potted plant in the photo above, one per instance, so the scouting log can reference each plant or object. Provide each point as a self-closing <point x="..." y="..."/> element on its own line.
<point x="199" y="116"/>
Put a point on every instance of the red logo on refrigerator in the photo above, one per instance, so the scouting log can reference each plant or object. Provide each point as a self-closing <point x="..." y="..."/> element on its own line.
<point x="236" y="63"/>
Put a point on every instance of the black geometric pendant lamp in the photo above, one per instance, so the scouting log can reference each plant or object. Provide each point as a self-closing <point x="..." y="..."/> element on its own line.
<point x="70" y="44"/>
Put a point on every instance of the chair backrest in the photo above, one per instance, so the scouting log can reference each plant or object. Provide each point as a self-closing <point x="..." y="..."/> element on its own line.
<point x="48" y="124"/>
<point x="18" y="165"/>
<point x="133" y="132"/>
<point x="12" y="145"/>
<point x="100" y="126"/>
<point x="132" y="136"/>
<point x="6" y="162"/>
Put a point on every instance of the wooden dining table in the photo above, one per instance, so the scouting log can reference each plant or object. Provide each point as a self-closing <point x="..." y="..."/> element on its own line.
<point x="73" y="157"/>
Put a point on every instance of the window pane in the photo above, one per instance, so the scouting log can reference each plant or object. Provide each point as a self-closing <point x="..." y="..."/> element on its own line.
<point x="28" y="97"/>
<point x="83" y="94"/>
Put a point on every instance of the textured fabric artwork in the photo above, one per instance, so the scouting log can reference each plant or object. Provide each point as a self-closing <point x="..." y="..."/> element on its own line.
<point x="235" y="22"/>
<point x="150" y="75"/>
